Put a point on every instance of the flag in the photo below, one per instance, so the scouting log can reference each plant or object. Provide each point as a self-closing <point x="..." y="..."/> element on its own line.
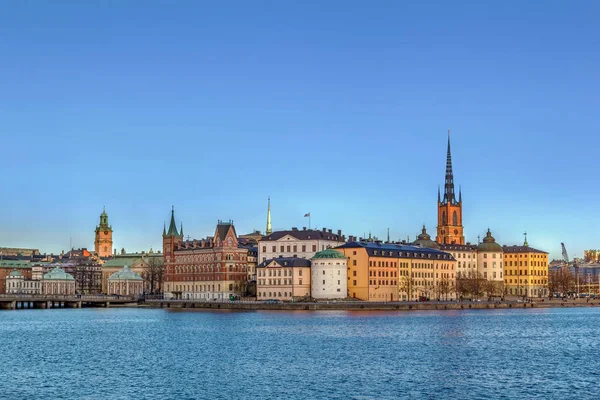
<point x="307" y="215"/>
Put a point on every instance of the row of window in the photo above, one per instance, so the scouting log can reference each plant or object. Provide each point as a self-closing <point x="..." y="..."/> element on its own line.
<point x="277" y="272"/>
<point x="532" y="281"/>
<point x="209" y="268"/>
<point x="524" y="272"/>
<point x="382" y="282"/>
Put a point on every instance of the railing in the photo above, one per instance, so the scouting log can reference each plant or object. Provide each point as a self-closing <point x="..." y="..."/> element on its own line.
<point x="57" y="297"/>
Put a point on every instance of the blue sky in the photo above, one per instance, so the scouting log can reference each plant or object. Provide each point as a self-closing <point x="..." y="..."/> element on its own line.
<point x="339" y="108"/>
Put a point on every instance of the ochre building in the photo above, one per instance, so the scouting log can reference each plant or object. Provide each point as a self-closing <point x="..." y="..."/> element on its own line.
<point x="525" y="271"/>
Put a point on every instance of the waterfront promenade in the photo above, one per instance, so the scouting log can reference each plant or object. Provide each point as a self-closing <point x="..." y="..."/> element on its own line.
<point x="39" y="301"/>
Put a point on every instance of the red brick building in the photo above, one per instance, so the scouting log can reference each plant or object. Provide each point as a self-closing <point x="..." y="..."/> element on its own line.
<point x="214" y="268"/>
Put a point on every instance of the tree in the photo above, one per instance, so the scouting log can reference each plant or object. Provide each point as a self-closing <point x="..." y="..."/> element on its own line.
<point x="407" y="286"/>
<point x="153" y="273"/>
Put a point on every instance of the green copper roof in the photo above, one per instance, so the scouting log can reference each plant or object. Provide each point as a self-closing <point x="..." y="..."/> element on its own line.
<point x="125" y="274"/>
<point x="489" y="244"/>
<point x="172" y="226"/>
<point x="58" y="274"/>
<point x="329" y="253"/>
<point x="14" y="272"/>
<point x="119" y="262"/>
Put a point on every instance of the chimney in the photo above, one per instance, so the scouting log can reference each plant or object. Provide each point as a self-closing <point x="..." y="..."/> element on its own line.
<point x="329" y="230"/>
<point x="339" y="232"/>
<point x="294" y="228"/>
<point x="303" y="228"/>
<point x="324" y="230"/>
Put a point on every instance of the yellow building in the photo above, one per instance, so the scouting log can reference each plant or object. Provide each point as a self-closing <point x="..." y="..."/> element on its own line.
<point x="284" y="278"/>
<point x="391" y="272"/>
<point x="525" y="271"/>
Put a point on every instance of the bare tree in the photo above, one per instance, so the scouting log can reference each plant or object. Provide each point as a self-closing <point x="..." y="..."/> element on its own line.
<point x="153" y="274"/>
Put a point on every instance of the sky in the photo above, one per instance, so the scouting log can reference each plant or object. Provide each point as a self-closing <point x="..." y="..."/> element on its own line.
<point x="337" y="108"/>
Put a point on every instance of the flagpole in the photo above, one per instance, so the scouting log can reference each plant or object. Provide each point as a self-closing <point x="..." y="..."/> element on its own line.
<point x="309" y="221"/>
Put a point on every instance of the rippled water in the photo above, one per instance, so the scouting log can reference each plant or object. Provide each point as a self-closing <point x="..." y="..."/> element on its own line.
<point x="146" y="354"/>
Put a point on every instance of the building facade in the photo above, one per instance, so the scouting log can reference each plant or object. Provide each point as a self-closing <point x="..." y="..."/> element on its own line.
<point x="329" y="275"/>
<point x="466" y="258"/>
<point x="17" y="284"/>
<point x="8" y="266"/>
<point x="297" y="243"/>
<point x="57" y="281"/>
<point x="490" y="259"/>
<point x="284" y="279"/>
<point x="391" y="272"/>
<point x="103" y="243"/>
<point x="215" y="268"/>
<point x="450" y="226"/>
<point x="125" y="282"/>
<point x="525" y="271"/>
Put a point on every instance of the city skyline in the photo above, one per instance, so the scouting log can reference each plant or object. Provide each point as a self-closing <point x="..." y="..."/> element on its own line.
<point x="215" y="114"/>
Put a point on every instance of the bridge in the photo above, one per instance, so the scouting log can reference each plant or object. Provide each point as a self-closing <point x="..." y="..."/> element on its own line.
<point x="44" y="301"/>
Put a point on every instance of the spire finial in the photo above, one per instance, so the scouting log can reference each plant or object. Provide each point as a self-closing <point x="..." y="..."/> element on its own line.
<point x="449" y="183"/>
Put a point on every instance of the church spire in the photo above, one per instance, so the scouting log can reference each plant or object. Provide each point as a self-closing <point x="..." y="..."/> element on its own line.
<point x="269" y="229"/>
<point x="172" y="225"/>
<point x="164" y="229"/>
<point x="181" y="230"/>
<point x="449" y="184"/>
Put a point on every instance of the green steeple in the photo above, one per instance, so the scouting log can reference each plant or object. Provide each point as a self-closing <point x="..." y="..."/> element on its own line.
<point x="172" y="226"/>
<point x="181" y="230"/>
<point x="104" y="222"/>
<point x="164" y="229"/>
<point x="269" y="229"/>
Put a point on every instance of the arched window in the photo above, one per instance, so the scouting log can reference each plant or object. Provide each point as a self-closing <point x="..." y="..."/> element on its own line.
<point x="443" y="217"/>
<point x="454" y="218"/>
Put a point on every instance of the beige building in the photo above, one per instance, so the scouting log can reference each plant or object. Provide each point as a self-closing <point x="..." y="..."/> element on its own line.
<point x="465" y="255"/>
<point x="284" y="279"/>
<point x="17" y="284"/>
<point x="57" y="281"/>
<point x="297" y="243"/>
<point x="490" y="259"/>
<point x="125" y="282"/>
<point x="525" y="271"/>
<point x="329" y="275"/>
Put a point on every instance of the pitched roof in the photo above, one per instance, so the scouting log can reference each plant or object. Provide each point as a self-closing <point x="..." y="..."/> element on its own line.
<point x="521" y="249"/>
<point x="308" y="234"/>
<point x="286" y="262"/>
<point x="397" y="250"/>
<point x="223" y="229"/>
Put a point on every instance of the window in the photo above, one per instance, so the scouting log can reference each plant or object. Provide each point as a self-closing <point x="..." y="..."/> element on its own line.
<point x="264" y="249"/>
<point x="353" y="273"/>
<point x="295" y="248"/>
<point x="485" y="264"/>
<point x="281" y="248"/>
<point x="354" y="282"/>
<point x="323" y="272"/>
<point x="303" y="248"/>
<point x="323" y="281"/>
<point x="299" y="272"/>
<point x="314" y="247"/>
<point x="274" y="249"/>
<point x="484" y="255"/>
<point x="354" y="262"/>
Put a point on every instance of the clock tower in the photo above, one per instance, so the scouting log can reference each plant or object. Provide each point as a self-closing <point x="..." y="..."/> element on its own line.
<point x="103" y="243"/>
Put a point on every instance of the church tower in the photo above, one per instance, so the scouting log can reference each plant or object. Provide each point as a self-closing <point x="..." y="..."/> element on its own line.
<point x="103" y="243"/>
<point x="450" y="227"/>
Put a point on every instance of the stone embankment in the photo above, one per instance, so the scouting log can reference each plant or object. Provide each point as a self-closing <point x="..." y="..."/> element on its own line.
<point x="366" y="306"/>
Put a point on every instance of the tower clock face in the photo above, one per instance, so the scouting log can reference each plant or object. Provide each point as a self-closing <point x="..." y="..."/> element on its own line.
<point x="106" y="232"/>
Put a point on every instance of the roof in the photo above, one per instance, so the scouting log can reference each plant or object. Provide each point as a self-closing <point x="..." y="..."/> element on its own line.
<point x="58" y="274"/>
<point x="223" y="229"/>
<point x="329" y="253"/>
<point x="120" y="262"/>
<point x="125" y="274"/>
<point x="424" y="240"/>
<point x="489" y="244"/>
<point x="521" y="249"/>
<point x="286" y="262"/>
<point x="15" y="273"/>
<point x="397" y="250"/>
<point x="172" y="226"/>
<point x="457" y="247"/>
<point x="14" y="264"/>
<point x="308" y="234"/>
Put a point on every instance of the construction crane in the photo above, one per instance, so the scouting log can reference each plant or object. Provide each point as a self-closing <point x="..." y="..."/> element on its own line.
<point x="565" y="256"/>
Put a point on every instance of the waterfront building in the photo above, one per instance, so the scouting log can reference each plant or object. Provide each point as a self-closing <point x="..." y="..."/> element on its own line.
<point x="16" y="283"/>
<point x="525" y="271"/>
<point x="85" y="268"/>
<point x="8" y="266"/>
<point x="329" y="275"/>
<point x="149" y="265"/>
<point x="390" y="271"/>
<point x="466" y="258"/>
<point x="252" y="261"/>
<point x="57" y="281"/>
<point x="450" y="227"/>
<point x="294" y="243"/>
<point x="103" y="242"/>
<point x="284" y="278"/>
<point x="212" y="268"/>
<point x="591" y="256"/>
<point x="125" y="282"/>
<point x="490" y="259"/>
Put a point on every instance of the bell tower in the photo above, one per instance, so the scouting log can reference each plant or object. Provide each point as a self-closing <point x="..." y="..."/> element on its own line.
<point x="103" y="243"/>
<point x="450" y="227"/>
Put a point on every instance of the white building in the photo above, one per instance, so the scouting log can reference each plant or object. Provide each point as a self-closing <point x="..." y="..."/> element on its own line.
<point x="17" y="284"/>
<point x="329" y="275"/>
<point x="489" y="259"/>
<point x="303" y="243"/>
<point x="466" y="258"/>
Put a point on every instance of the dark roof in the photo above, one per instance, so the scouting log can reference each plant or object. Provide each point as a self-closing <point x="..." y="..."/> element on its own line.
<point x="287" y="262"/>
<point x="308" y="234"/>
<point x="397" y="250"/>
<point x="457" y="247"/>
<point x="223" y="228"/>
<point x="521" y="249"/>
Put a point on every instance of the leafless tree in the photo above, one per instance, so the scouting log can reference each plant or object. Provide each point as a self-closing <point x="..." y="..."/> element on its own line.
<point x="153" y="274"/>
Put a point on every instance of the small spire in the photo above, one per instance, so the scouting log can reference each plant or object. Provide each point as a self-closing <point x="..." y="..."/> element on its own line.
<point x="269" y="229"/>
<point x="164" y="230"/>
<point x="388" y="239"/>
<point x="181" y="231"/>
<point x="172" y="225"/>
<point x="439" y="197"/>
<point x="525" y="243"/>
<point x="459" y="194"/>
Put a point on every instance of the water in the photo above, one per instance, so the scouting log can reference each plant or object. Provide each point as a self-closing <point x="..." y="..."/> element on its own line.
<point x="153" y="353"/>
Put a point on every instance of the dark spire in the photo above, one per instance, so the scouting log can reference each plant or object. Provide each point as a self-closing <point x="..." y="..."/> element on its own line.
<point x="459" y="194"/>
<point x="164" y="229"/>
<point x="172" y="226"/>
<point x="439" y="197"/>
<point x="181" y="231"/>
<point x="449" y="184"/>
